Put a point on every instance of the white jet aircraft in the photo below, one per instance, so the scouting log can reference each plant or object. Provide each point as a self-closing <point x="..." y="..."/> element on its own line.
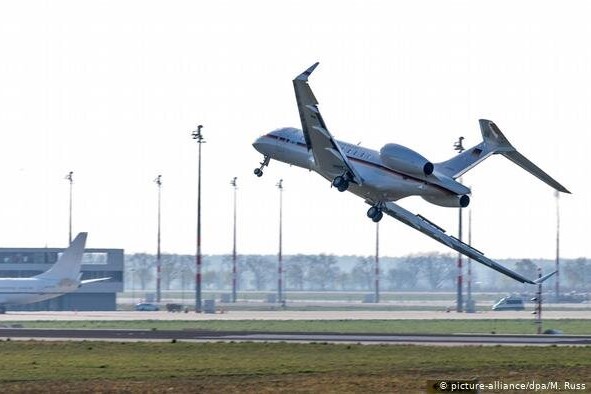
<point x="395" y="172"/>
<point x="63" y="277"/>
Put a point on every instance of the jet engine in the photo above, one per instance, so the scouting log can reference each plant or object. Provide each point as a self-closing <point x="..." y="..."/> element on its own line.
<point x="407" y="161"/>
<point x="449" y="200"/>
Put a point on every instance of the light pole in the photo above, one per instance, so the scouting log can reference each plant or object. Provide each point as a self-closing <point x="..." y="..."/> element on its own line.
<point x="158" y="181"/>
<point x="199" y="138"/>
<point x="470" y="306"/>
<point x="377" y="265"/>
<point x="459" y="147"/>
<point x="71" y="180"/>
<point x="279" y="261"/>
<point x="234" y="272"/>
<point x="556" y="194"/>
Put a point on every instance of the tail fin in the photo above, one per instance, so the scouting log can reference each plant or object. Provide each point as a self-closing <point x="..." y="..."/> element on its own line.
<point x="68" y="265"/>
<point x="494" y="142"/>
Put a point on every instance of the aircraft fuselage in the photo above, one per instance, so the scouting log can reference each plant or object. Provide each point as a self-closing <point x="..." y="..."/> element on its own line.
<point x="380" y="183"/>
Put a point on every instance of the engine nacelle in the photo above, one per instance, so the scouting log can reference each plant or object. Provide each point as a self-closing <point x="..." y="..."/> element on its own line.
<point x="450" y="200"/>
<point x="405" y="160"/>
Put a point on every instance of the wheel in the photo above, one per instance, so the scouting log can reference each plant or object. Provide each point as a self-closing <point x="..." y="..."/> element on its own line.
<point x="372" y="212"/>
<point x="338" y="182"/>
<point x="258" y="172"/>
<point x="378" y="217"/>
<point x="343" y="186"/>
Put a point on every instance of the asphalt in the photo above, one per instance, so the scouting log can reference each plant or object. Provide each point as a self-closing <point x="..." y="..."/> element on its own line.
<point x="291" y="315"/>
<point x="226" y="336"/>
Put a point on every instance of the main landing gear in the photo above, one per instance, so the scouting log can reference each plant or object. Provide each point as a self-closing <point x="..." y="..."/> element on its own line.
<point x="259" y="171"/>
<point x="341" y="182"/>
<point x="375" y="213"/>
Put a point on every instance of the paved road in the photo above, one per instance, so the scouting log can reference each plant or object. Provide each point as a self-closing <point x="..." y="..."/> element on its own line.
<point x="289" y="315"/>
<point x="203" y="335"/>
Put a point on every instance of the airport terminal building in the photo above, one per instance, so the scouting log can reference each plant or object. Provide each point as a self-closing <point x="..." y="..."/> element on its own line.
<point x="96" y="263"/>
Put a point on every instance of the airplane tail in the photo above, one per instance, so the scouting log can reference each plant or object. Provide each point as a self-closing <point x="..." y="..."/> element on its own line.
<point x="68" y="265"/>
<point x="494" y="142"/>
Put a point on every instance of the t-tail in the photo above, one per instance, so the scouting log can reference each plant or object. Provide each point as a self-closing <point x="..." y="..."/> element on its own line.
<point x="68" y="265"/>
<point x="493" y="142"/>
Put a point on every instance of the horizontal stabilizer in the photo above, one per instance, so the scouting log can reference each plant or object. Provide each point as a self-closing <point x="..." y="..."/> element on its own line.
<point x="498" y="143"/>
<point x="493" y="142"/>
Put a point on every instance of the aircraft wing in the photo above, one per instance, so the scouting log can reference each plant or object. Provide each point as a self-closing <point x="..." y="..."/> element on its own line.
<point x="437" y="233"/>
<point x="328" y="156"/>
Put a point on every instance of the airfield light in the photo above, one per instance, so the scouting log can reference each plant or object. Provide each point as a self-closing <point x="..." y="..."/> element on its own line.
<point x="196" y="134"/>
<point x="234" y="272"/>
<point x="158" y="182"/>
<point x="280" y="257"/>
<point x="538" y="298"/>
<point x="71" y="180"/>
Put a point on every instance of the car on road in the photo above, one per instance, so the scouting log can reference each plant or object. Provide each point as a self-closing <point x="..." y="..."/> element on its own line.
<point x="146" y="306"/>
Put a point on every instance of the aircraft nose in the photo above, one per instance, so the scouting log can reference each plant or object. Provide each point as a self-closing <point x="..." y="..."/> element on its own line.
<point x="262" y="145"/>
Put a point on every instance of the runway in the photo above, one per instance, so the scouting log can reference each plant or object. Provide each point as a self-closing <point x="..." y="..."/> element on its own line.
<point x="226" y="336"/>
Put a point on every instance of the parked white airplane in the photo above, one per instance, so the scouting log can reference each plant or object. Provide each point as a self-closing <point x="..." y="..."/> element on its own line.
<point x="63" y="277"/>
<point x="395" y="172"/>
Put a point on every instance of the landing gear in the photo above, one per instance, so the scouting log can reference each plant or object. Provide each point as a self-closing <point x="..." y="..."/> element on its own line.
<point x="259" y="171"/>
<point x="341" y="183"/>
<point x="375" y="214"/>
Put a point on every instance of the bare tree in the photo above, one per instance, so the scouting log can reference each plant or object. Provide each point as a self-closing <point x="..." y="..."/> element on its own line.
<point x="436" y="268"/>
<point x="143" y="267"/>
<point x="363" y="273"/>
<point x="322" y="271"/>
<point x="578" y="273"/>
<point x="295" y="272"/>
<point x="262" y="270"/>
<point x="170" y="269"/>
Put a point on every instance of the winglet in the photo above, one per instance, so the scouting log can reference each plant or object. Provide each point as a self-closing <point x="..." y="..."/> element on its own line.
<point x="304" y="76"/>
<point x="543" y="278"/>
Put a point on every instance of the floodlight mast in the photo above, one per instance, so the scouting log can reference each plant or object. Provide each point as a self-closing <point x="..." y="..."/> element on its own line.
<point x="377" y="265"/>
<point x="234" y="270"/>
<point x="459" y="147"/>
<point x="557" y="283"/>
<point x="196" y="134"/>
<point x="158" y="182"/>
<point x="280" y="257"/>
<point x="71" y="180"/>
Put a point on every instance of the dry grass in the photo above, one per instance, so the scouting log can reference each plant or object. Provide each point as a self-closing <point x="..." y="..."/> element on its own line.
<point x="76" y="367"/>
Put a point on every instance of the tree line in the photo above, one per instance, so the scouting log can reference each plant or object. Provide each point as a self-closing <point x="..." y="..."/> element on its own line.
<point x="325" y="272"/>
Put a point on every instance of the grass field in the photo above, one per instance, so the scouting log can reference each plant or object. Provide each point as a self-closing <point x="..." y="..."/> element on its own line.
<point x="269" y="367"/>
<point x="501" y="326"/>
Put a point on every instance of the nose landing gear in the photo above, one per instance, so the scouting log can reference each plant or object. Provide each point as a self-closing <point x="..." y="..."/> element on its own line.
<point x="259" y="171"/>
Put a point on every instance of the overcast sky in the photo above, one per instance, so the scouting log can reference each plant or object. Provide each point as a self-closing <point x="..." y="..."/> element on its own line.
<point x="111" y="90"/>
